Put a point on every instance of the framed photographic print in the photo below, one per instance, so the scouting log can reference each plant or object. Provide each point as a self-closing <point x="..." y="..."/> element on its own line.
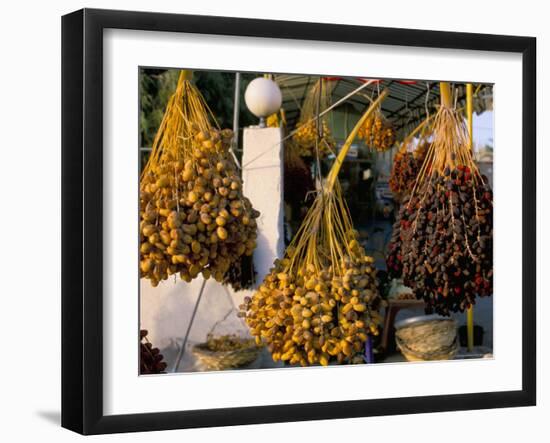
<point x="273" y="221"/>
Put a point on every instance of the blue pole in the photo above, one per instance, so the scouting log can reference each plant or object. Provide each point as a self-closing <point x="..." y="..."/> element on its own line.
<point x="369" y="355"/>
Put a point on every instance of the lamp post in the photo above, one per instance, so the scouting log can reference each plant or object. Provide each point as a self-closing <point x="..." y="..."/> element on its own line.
<point x="263" y="98"/>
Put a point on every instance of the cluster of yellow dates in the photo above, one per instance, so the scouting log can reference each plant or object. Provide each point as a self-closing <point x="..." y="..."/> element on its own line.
<point x="315" y="316"/>
<point x="377" y="132"/>
<point x="194" y="217"/>
<point x="305" y="139"/>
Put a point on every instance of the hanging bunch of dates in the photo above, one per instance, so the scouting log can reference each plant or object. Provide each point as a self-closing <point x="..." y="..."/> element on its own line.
<point x="312" y="137"/>
<point x="377" y="132"/>
<point x="195" y="218"/>
<point x="319" y="303"/>
<point x="151" y="361"/>
<point x="405" y="168"/>
<point x="442" y="241"/>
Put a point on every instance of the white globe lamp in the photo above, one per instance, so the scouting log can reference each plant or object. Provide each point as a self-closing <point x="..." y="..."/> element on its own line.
<point x="263" y="98"/>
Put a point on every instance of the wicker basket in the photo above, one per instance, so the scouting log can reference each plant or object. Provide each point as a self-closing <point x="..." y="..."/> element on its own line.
<point x="427" y="338"/>
<point x="220" y="360"/>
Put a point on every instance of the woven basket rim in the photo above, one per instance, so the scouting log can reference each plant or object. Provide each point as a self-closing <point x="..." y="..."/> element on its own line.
<point x="448" y="350"/>
<point x="421" y="320"/>
<point x="201" y="349"/>
<point x="220" y="360"/>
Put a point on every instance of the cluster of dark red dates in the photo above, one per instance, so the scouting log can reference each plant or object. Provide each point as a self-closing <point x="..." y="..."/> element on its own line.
<point x="442" y="242"/>
<point x="151" y="361"/>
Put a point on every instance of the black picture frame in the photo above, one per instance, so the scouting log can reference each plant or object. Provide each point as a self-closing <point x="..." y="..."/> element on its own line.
<point x="82" y="215"/>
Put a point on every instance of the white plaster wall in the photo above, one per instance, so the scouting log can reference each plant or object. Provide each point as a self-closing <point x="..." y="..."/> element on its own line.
<point x="263" y="184"/>
<point x="165" y="311"/>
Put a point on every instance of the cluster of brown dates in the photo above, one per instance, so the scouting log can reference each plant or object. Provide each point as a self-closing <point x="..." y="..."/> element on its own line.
<point x="151" y="361"/>
<point x="194" y="216"/>
<point x="442" y="243"/>
<point x="315" y="316"/>
<point x="405" y="169"/>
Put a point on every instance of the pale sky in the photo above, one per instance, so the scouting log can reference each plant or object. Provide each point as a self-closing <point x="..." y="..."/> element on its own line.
<point x="483" y="129"/>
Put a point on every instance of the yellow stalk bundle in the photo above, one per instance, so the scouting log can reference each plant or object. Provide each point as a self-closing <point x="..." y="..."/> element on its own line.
<point x="450" y="147"/>
<point x="307" y="132"/>
<point x="419" y="139"/>
<point x="194" y="217"/>
<point x="319" y="303"/>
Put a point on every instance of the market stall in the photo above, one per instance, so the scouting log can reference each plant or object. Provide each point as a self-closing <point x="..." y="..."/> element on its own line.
<point x="358" y="202"/>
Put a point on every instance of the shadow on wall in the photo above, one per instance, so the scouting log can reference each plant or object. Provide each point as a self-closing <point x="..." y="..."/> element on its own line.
<point x="264" y="261"/>
<point x="165" y="311"/>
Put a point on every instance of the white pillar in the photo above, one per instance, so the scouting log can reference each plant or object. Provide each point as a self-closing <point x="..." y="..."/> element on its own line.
<point x="262" y="165"/>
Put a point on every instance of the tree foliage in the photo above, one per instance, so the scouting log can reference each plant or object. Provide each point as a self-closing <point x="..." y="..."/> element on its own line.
<point x="218" y="89"/>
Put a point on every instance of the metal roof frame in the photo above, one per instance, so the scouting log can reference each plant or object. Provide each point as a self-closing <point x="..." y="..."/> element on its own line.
<point x="405" y="106"/>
